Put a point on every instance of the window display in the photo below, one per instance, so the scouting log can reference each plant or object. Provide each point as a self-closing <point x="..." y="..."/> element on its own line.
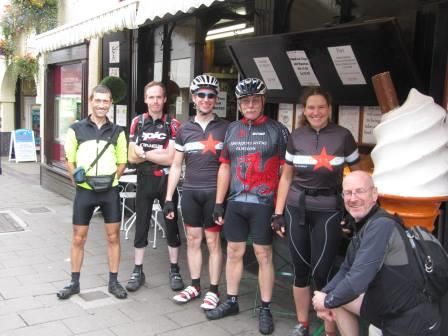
<point x="67" y="105"/>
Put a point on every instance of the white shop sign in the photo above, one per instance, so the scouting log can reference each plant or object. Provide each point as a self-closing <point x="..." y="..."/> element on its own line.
<point x="347" y="65"/>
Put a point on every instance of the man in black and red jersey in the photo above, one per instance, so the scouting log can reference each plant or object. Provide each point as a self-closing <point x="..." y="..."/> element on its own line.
<point x="200" y="142"/>
<point x="253" y="152"/>
<point x="151" y="147"/>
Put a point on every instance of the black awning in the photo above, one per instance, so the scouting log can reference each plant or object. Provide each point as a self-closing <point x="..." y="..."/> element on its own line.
<point x="376" y="46"/>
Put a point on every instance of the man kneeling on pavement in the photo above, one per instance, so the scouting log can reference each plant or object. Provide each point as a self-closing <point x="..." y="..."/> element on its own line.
<point x="375" y="281"/>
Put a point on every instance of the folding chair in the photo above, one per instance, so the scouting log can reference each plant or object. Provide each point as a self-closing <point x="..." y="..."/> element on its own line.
<point x="128" y="192"/>
<point x="156" y="208"/>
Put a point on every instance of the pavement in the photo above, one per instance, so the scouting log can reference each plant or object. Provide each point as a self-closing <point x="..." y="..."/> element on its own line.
<point x="35" y="264"/>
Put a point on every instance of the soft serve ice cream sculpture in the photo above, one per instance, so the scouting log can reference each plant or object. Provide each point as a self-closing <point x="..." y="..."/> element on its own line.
<point x="411" y="157"/>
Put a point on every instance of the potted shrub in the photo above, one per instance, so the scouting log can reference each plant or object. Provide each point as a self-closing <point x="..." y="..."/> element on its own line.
<point x="25" y="67"/>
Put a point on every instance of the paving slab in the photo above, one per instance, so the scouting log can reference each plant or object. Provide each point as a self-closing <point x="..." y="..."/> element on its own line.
<point x="35" y="264"/>
<point x="10" y="322"/>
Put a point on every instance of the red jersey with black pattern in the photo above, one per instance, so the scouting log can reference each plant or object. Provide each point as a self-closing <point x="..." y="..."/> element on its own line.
<point x="201" y="149"/>
<point x="255" y="151"/>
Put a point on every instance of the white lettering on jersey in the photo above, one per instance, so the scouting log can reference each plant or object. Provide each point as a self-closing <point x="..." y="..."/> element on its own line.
<point x="157" y="135"/>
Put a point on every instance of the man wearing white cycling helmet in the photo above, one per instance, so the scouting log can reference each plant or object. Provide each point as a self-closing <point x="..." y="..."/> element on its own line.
<point x="253" y="153"/>
<point x="199" y="141"/>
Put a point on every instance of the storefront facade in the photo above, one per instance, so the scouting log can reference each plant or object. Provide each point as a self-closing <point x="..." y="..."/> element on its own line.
<point x="167" y="46"/>
<point x="173" y="44"/>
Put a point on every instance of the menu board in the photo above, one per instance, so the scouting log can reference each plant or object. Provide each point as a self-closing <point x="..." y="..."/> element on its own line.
<point x="221" y="105"/>
<point x="121" y="113"/>
<point x="349" y="118"/>
<point x="302" y="68"/>
<point x="371" y="118"/>
<point x="286" y="115"/>
<point x="268" y="73"/>
<point x="299" y="114"/>
<point x="346" y="65"/>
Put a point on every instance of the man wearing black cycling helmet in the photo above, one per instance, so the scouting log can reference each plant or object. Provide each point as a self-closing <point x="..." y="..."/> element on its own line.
<point x="200" y="142"/>
<point x="253" y="153"/>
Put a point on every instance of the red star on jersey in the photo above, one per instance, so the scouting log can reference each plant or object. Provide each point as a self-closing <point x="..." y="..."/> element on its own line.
<point x="323" y="160"/>
<point x="209" y="145"/>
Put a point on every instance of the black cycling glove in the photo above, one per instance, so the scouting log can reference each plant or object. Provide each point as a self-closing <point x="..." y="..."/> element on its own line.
<point x="168" y="207"/>
<point x="218" y="211"/>
<point x="278" y="223"/>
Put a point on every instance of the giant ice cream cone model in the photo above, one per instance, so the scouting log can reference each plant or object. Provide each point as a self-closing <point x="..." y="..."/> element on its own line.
<point x="411" y="155"/>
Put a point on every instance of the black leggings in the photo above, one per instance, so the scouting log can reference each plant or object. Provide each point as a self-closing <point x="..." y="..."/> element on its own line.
<point x="314" y="245"/>
<point x="149" y="188"/>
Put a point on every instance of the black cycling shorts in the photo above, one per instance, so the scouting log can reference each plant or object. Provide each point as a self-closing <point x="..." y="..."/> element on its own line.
<point x="422" y="320"/>
<point x="197" y="209"/>
<point x="87" y="200"/>
<point x="242" y="219"/>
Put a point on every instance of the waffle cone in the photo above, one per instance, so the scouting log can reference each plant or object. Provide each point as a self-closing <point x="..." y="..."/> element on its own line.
<point x="421" y="211"/>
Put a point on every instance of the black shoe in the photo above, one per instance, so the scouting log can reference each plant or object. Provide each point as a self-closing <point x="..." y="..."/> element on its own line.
<point x="225" y="309"/>
<point x="69" y="290"/>
<point x="136" y="281"/>
<point x="265" y="322"/>
<point x="176" y="282"/>
<point x="117" y="290"/>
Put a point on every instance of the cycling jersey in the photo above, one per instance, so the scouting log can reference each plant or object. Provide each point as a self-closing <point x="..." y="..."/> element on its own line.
<point x="202" y="149"/>
<point x="84" y="141"/>
<point x="152" y="134"/>
<point x="152" y="178"/>
<point x="318" y="158"/>
<point x="255" y="151"/>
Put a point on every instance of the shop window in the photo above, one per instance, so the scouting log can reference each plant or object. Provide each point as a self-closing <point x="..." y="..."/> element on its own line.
<point x="67" y="104"/>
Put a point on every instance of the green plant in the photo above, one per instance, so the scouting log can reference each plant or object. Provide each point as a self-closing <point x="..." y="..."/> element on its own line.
<point x="7" y="47"/>
<point x="40" y="15"/>
<point x="117" y="86"/>
<point x="28" y="15"/>
<point x="25" y="67"/>
<point x="25" y="16"/>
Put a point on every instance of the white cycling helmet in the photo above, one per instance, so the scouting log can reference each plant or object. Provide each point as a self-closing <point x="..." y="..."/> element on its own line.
<point x="250" y="87"/>
<point x="204" y="82"/>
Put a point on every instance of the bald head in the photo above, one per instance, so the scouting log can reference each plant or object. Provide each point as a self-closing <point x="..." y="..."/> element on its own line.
<point x="359" y="177"/>
<point x="360" y="194"/>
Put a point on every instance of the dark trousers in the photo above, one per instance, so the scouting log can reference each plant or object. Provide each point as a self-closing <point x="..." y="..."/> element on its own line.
<point x="149" y="188"/>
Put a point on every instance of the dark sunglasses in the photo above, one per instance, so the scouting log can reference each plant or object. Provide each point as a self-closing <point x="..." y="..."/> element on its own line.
<point x="202" y="95"/>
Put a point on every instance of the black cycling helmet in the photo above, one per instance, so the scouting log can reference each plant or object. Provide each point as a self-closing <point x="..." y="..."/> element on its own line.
<point x="250" y="87"/>
<point x="204" y="82"/>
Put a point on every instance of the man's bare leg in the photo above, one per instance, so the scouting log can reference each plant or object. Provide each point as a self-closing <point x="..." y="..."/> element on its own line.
<point x="347" y="317"/>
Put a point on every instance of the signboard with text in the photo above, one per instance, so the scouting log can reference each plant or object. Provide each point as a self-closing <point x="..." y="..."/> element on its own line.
<point x="22" y="147"/>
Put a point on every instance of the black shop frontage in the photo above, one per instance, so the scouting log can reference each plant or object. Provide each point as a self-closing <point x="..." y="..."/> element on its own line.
<point x="343" y="59"/>
<point x="407" y="39"/>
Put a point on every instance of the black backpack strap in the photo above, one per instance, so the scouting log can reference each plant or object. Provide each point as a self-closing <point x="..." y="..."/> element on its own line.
<point x="168" y="125"/>
<point x="112" y="138"/>
<point x="408" y="236"/>
<point x="141" y="121"/>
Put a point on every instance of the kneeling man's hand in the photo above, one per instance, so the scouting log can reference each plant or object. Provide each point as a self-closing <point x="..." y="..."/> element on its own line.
<point x="318" y="300"/>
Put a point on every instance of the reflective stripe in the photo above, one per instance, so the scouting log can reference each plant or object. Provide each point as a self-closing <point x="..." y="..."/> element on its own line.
<point x="198" y="146"/>
<point x="193" y="146"/>
<point x="353" y="156"/>
<point x="310" y="161"/>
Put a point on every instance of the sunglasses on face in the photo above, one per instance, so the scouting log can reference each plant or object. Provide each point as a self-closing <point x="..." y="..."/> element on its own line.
<point x="208" y="95"/>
